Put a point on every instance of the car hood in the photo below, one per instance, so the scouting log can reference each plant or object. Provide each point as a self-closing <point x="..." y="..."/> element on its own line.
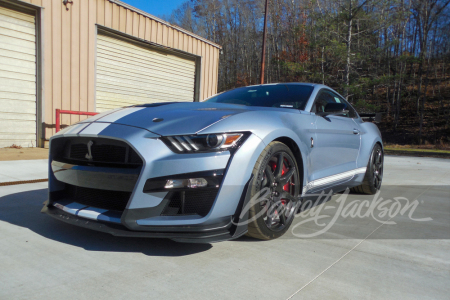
<point x="174" y="118"/>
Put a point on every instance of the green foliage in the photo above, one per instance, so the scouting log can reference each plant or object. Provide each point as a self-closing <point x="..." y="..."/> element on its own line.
<point x="365" y="107"/>
<point x="385" y="55"/>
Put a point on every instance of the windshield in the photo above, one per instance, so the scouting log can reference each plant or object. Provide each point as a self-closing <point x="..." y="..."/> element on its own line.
<point x="280" y="95"/>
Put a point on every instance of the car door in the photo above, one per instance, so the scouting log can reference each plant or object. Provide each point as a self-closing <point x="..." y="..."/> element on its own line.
<point x="336" y="146"/>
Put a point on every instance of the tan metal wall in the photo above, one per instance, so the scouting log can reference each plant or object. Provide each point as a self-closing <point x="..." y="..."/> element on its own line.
<point x="69" y="43"/>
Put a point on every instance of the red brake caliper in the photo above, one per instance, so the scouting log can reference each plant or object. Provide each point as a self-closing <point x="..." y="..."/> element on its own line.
<point x="286" y="186"/>
<point x="283" y="171"/>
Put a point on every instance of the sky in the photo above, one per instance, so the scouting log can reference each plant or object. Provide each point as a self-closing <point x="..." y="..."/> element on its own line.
<point x="158" y="8"/>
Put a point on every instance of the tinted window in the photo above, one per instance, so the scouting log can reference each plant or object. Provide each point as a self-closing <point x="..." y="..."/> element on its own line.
<point x="327" y="96"/>
<point x="281" y="95"/>
<point x="352" y="112"/>
<point x="322" y="100"/>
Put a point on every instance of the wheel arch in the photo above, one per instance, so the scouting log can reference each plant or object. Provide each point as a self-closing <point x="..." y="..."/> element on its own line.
<point x="298" y="143"/>
<point x="369" y="139"/>
<point x="297" y="153"/>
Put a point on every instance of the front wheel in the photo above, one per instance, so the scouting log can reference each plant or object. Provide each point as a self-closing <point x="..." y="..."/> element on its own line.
<point x="274" y="192"/>
<point x="374" y="173"/>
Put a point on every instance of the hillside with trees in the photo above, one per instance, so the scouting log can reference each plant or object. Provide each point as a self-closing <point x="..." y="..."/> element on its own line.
<point x="390" y="56"/>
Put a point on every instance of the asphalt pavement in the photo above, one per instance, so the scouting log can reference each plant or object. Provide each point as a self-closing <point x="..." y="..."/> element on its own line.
<point x="386" y="254"/>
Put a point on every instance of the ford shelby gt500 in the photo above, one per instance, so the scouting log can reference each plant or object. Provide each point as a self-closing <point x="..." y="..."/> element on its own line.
<point x="237" y="163"/>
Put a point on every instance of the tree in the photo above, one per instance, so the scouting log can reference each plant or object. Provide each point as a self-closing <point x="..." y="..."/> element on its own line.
<point x="426" y="13"/>
<point x="382" y="55"/>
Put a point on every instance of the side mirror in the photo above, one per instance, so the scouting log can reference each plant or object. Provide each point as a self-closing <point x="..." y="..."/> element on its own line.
<point x="334" y="109"/>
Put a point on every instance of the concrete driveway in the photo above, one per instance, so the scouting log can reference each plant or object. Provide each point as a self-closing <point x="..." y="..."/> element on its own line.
<point x="41" y="258"/>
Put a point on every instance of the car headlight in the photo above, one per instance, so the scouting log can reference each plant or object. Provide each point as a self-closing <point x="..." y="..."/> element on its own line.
<point x="204" y="142"/>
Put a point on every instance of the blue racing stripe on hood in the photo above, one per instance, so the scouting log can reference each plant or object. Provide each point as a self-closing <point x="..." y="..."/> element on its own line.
<point x="179" y="118"/>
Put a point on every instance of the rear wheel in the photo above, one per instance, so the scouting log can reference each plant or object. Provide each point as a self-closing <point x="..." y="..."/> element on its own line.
<point x="374" y="173"/>
<point x="274" y="192"/>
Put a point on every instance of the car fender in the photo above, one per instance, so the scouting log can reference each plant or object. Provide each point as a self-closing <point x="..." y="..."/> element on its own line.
<point x="370" y="136"/>
<point x="273" y="125"/>
<point x="304" y="149"/>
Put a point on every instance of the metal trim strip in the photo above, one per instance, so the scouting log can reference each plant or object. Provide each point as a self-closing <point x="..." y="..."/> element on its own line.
<point x="333" y="178"/>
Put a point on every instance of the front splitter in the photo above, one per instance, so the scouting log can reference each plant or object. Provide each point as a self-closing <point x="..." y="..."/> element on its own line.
<point x="209" y="236"/>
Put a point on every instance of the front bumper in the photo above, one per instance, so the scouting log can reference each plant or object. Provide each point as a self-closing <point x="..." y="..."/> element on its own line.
<point x="221" y="231"/>
<point x="142" y="215"/>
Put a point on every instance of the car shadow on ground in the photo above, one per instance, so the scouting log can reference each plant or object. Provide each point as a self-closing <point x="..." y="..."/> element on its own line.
<point x="23" y="209"/>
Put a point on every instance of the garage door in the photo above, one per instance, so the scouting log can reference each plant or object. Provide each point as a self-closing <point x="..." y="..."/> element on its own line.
<point x="17" y="79"/>
<point x="129" y="74"/>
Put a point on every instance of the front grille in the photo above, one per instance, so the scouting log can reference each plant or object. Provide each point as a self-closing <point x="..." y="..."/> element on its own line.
<point x="110" y="200"/>
<point x="103" y="152"/>
<point x="192" y="202"/>
<point x="100" y="153"/>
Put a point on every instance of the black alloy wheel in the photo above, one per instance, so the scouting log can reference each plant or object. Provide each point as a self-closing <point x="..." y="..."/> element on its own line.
<point x="278" y="182"/>
<point x="374" y="173"/>
<point x="377" y="163"/>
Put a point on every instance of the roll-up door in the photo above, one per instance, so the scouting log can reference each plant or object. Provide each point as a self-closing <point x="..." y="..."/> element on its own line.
<point x="130" y="74"/>
<point x="17" y="79"/>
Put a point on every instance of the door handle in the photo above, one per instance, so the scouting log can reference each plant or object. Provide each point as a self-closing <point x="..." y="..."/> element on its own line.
<point x="356" y="131"/>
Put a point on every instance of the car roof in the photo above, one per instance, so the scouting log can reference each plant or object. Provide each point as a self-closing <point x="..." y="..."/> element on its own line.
<point x="292" y="83"/>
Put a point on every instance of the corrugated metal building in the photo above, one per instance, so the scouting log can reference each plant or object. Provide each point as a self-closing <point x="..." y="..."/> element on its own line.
<point x="91" y="55"/>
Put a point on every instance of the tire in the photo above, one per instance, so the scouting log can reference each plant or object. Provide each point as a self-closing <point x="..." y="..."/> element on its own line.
<point x="271" y="216"/>
<point x="374" y="173"/>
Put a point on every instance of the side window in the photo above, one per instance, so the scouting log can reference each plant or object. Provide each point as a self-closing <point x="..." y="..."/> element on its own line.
<point x="351" y="111"/>
<point x="322" y="100"/>
<point x="326" y="96"/>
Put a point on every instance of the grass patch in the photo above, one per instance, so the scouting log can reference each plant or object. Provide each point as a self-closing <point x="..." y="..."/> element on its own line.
<point x="417" y="150"/>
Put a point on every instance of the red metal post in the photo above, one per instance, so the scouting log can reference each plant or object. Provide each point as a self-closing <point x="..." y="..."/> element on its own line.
<point x="58" y="115"/>
<point x="70" y="112"/>
<point x="82" y="113"/>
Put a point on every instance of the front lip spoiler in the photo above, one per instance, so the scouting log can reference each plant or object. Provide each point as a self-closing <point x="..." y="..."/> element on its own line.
<point x="207" y="236"/>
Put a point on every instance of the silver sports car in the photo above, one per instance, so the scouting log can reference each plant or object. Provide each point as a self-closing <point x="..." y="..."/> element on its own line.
<point x="237" y="163"/>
